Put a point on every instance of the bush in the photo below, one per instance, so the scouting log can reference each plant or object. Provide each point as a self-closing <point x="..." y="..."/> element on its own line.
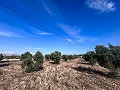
<point x="29" y="69"/>
<point x="1" y="56"/>
<point x="56" y="56"/>
<point x="109" y="57"/>
<point x="65" y="57"/>
<point x="70" y="57"/>
<point x="52" y="56"/>
<point x="29" y="65"/>
<point x="38" y="57"/>
<point x="47" y="56"/>
<point x="92" y="61"/>
<point x="38" y="66"/>
<point x="26" y="55"/>
<point x="114" y="74"/>
<point x="57" y="59"/>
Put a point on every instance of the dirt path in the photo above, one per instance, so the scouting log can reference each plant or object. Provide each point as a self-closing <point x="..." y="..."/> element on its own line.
<point x="70" y="75"/>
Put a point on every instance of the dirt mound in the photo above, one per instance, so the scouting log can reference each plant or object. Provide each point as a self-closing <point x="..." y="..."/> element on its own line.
<point x="70" y="75"/>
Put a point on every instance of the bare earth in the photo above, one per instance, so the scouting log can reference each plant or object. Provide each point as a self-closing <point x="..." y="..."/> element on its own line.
<point x="70" y="75"/>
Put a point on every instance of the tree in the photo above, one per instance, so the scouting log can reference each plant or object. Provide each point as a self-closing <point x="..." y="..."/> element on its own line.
<point x="32" y="64"/>
<point x="70" y="57"/>
<point x="1" y="56"/>
<point x="56" y="56"/>
<point x="26" y="55"/>
<point x="52" y="56"/>
<point x="109" y="57"/>
<point x="27" y="62"/>
<point x="47" y="56"/>
<point x="65" y="57"/>
<point x="38" y="58"/>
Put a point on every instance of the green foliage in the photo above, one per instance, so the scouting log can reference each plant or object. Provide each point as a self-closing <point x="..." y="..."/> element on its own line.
<point x="32" y="64"/>
<point x="56" y="56"/>
<point x="57" y="59"/>
<point x="28" y="65"/>
<point x="52" y="56"/>
<point x="109" y="57"/>
<point x="26" y="55"/>
<point x="70" y="57"/>
<point x="65" y="57"/>
<point x="38" y="57"/>
<point x="1" y="56"/>
<point x="47" y="56"/>
<point x="114" y="74"/>
<point x="38" y="66"/>
<point x="29" y="69"/>
<point x="92" y="61"/>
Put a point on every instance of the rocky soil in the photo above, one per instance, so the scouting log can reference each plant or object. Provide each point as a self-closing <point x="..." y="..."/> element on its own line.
<point x="70" y="75"/>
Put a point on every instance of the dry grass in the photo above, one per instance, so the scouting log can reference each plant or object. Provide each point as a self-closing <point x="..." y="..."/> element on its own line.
<point x="71" y="75"/>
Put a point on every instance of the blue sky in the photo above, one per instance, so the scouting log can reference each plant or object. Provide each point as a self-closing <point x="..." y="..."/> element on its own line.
<point x="72" y="26"/>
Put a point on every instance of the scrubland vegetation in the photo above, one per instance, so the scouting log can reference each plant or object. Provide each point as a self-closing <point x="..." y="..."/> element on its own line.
<point x="96" y="70"/>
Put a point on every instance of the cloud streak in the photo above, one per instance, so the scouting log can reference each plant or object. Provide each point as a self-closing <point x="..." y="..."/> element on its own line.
<point x="47" y="6"/>
<point x="37" y="31"/>
<point x="101" y="5"/>
<point x="44" y="33"/>
<point x="69" y="40"/>
<point x="9" y="34"/>
<point x="73" y="31"/>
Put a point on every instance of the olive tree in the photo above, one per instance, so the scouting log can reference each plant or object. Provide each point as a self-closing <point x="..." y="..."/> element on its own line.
<point x="1" y="56"/>
<point x="38" y="58"/>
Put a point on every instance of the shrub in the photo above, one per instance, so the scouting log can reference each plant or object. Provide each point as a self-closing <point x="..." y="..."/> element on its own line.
<point x="57" y="59"/>
<point x="28" y="65"/>
<point x="56" y="56"/>
<point x="114" y="74"/>
<point x="26" y="55"/>
<point x="47" y="56"/>
<point x="92" y="61"/>
<point x="38" y="66"/>
<point x="38" y="58"/>
<point x="1" y="56"/>
<point x="29" y="69"/>
<point x="109" y="57"/>
<point x="52" y="56"/>
<point x="65" y="57"/>
<point x="70" y="57"/>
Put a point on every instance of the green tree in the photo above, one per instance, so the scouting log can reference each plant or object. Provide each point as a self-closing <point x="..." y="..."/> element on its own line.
<point x="65" y="57"/>
<point x="70" y="57"/>
<point x="47" y="56"/>
<point x="38" y="58"/>
<point x="1" y="56"/>
<point x="27" y="62"/>
<point x="109" y="57"/>
<point x="26" y="55"/>
<point x="28" y="65"/>
<point x="56" y="56"/>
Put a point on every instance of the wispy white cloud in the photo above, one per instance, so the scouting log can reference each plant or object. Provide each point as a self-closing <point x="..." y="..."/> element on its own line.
<point x="85" y="39"/>
<point x="9" y="34"/>
<point x="69" y="40"/>
<point x="10" y="31"/>
<point x="37" y="31"/>
<point x="47" y="7"/>
<point x="73" y="31"/>
<point x="44" y="33"/>
<point x="101" y="5"/>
